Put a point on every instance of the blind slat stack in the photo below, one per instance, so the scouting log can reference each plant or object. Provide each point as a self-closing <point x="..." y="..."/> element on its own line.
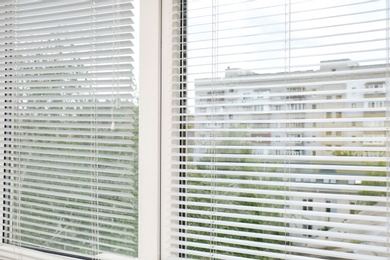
<point x="70" y="124"/>
<point x="280" y="139"/>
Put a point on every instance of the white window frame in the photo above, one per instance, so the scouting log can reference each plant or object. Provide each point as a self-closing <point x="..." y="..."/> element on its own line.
<point x="150" y="13"/>
<point x="150" y="79"/>
<point x="155" y="131"/>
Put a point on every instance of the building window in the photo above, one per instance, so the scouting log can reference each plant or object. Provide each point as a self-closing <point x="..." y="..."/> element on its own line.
<point x="259" y="108"/>
<point x="373" y="139"/>
<point x="374" y="104"/>
<point x="296" y="106"/>
<point x="374" y="85"/>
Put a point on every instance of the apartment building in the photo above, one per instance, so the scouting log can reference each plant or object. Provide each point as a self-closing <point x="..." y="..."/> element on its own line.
<point x="326" y="124"/>
<point x="321" y="108"/>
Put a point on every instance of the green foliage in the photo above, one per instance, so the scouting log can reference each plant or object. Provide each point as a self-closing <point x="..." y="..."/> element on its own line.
<point x="375" y="183"/>
<point x="369" y="173"/>
<point x="230" y="225"/>
<point x="73" y="194"/>
<point x="345" y="153"/>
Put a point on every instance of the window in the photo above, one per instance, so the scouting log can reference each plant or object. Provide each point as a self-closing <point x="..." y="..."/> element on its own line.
<point x="374" y="139"/>
<point x="163" y="181"/>
<point x="236" y="196"/>
<point x="308" y="227"/>
<point x="374" y="86"/>
<point x="307" y="207"/>
<point x="296" y="106"/>
<point x="69" y="129"/>
<point x="331" y="210"/>
<point x="374" y="124"/>
<point x="374" y="104"/>
<point x="259" y="108"/>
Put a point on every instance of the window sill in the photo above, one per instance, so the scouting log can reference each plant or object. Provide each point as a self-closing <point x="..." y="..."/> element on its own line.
<point x="9" y="252"/>
<point x="111" y="256"/>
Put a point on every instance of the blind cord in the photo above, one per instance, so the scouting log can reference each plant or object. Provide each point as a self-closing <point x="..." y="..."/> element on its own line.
<point x="388" y="127"/>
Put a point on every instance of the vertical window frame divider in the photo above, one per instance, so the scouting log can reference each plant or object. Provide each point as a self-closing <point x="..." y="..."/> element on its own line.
<point x="150" y="125"/>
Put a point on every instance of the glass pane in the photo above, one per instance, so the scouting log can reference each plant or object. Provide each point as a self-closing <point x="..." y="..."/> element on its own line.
<point x="70" y="129"/>
<point x="283" y="121"/>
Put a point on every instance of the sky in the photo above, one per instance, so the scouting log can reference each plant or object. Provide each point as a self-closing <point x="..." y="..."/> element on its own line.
<point x="279" y="35"/>
<point x="258" y="35"/>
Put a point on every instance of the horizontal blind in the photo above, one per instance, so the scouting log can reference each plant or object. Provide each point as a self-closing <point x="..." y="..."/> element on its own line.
<point x="280" y="130"/>
<point x="69" y="127"/>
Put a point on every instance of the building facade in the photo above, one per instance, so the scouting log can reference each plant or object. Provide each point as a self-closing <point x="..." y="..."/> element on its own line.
<point x="327" y="124"/>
